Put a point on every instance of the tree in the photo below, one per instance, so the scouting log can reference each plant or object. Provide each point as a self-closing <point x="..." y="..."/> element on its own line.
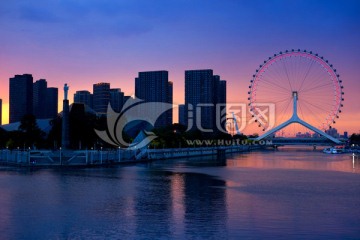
<point x="355" y="139"/>
<point x="32" y="134"/>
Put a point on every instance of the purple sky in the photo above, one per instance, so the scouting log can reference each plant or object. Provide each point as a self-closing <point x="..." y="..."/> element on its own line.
<point x="82" y="42"/>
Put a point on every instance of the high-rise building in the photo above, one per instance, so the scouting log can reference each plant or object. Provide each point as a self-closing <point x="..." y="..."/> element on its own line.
<point x="84" y="97"/>
<point x="203" y="92"/>
<point x="182" y="110"/>
<point x="220" y="101"/>
<point x="20" y="96"/>
<point x="0" y="111"/>
<point x="126" y="98"/>
<point x="101" y="97"/>
<point x="169" y="114"/>
<point x="45" y="100"/>
<point x="39" y="99"/>
<point x="333" y="132"/>
<point x="52" y="96"/>
<point x="154" y="86"/>
<point x="116" y="99"/>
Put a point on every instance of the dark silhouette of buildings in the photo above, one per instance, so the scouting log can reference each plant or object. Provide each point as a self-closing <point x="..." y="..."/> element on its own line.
<point x="116" y="99"/>
<point x="101" y="97"/>
<point x="45" y="100"/>
<point x="203" y="92"/>
<point x="35" y="98"/>
<point x="182" y="119"/>
<point x="39" y="96"/>
<point x="154" y="86"/>
<point x="20" y="96"/>
<point x="126" y="98"/>
<point x="84" y="97"/>
<point x="52" y="96"/>
<point x="220" y="100"/>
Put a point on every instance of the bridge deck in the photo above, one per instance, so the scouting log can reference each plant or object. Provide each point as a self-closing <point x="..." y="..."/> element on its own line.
<point x="302" y="141"/>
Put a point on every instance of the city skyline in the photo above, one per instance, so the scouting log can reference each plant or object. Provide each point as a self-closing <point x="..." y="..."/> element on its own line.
<point x="31" y="98"/>
<point x="113" y="41"/>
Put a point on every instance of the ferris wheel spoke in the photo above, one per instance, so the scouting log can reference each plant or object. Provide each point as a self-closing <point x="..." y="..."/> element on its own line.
<point x="316" y="106"/>
<point x="315" y="77"/>
<point x="314" y="83"/>
<point x="287" y="75"/>
<point x="303" y="78"/>
<point x="272" y="92"/>
<point x="283" y="111"/>
<point x="277" y="85"/>
<point x="283" y="100"/>
<point x="274" y="73"/>
<point x="317" y="87"/>
<point x="313" y="114"/>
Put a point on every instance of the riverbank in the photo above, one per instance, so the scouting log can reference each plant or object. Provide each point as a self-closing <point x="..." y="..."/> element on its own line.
<point x="101" y="158"/>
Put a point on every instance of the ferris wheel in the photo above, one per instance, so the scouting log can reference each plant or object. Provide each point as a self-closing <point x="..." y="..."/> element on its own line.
<point x="314" y="81"/>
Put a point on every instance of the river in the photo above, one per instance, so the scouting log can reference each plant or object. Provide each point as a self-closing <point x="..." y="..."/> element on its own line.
<point x="290" y="193"/>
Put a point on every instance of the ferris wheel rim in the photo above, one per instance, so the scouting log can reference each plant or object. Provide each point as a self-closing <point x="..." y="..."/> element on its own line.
<point x="329" y="68"/>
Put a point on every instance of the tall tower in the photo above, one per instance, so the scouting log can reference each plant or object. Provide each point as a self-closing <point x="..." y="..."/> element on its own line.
<point x="182" y="110"/>
<point x="220" y="102"/>
<point x="39" y="99"/>
<point x="20" y="96"/>
<point x="65" y="141"/>
<point x="101" y="97"/>
<point x="203" y="91"/>
<point x="52" y="96"/>
<point x="199" y="91"/>
<point x="154" y="86"/>
<point x="45" y="100"/>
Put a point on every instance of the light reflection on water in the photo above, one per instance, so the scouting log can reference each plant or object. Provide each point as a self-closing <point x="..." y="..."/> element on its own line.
<point x="293" y="158"/>
<point x="285" y="194"/>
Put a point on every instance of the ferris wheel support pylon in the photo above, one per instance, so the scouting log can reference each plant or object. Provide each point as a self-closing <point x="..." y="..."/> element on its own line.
<point x="236" y="125"/>
<point x="296" y="119"/>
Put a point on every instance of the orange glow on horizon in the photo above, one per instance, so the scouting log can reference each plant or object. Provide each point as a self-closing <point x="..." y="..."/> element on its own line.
<point x="5" y="113"/>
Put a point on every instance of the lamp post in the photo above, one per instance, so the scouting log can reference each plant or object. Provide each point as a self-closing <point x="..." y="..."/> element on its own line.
<point x="101" y="159"/>
<point x="119" y="149"/>
<point x="60" y="157"/>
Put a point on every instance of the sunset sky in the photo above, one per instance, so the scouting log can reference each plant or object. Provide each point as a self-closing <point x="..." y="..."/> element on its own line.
<point x="82" y="42"/>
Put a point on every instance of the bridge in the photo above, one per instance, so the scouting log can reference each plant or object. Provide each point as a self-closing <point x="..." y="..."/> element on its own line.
<point x="326" y="139"/>
<point x="280" y="141"/>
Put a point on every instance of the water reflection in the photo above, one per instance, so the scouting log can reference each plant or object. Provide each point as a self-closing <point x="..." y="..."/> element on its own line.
<point x="128" y="202"/>
<point x="205" y="207"/>
<point x="293" y="193"/>
<point x="303" y="159"/>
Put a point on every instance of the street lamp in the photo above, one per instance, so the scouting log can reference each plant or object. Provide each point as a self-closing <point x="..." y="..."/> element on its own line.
<point x="101" y="159"/>
<point x="60" y="157"/>
<point x="119" y="152"/>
